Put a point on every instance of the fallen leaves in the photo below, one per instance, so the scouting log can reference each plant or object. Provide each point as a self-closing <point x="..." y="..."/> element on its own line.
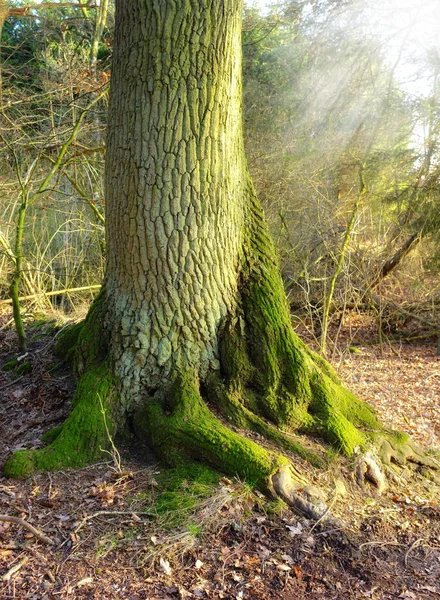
<point x="404" y="389"/>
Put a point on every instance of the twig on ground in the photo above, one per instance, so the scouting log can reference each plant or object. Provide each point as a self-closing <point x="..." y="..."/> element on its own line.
<point x="325" y="514"/>
<point x="101" y="513"/>
<point x="379" y="543"/>
<point x="37" y="533"/>
<point x="413" y="545"/>
<point x="13" y="382"/>
<point x="7" y="576"/>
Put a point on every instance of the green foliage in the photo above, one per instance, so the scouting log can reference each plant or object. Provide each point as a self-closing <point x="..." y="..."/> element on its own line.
<point x="320" y="98"/>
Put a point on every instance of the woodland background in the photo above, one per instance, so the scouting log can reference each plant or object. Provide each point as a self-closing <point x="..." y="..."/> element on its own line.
<point x="342" y="125"/>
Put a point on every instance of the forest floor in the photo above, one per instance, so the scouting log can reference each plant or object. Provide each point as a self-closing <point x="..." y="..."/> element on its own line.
<point x="138" y="531"/>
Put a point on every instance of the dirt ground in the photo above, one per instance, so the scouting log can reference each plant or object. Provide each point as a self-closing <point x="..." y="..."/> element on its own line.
<point x="107" y="535"/>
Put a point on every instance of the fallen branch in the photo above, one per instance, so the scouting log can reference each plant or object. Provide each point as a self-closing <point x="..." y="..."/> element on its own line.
<point x="107" y="513"/>
<point x="55" y="293"/>
<point x="397" y="258"/>
<point x="381" y="302"/>
<point x="37" y="533"/>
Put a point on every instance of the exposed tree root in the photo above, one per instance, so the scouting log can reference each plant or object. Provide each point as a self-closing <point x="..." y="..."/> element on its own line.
<point x="367" y="470"/>
<point x="393" y="450"/>
<point x="400" y="449"/>
<point x="306" y="499"/>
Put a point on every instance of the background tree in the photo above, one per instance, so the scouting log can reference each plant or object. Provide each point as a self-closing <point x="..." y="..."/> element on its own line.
<point x="317" y="84"/>
<point x="329" y="98"/>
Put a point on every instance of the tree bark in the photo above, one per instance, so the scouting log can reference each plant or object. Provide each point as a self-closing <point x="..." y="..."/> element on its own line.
<point x="175" y="186"/>
<point x="190" y="343"/>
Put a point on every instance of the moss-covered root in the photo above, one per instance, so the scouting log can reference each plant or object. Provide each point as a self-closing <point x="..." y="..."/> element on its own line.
<point x="399" y="448"/>
<point x="186" y="428"/>
<point x="84" y="437"/>
<point x="85" y="343"/>
<point x="232" y="405"/>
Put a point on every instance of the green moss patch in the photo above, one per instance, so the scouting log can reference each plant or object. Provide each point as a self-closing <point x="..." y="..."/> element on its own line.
<point x="83" y="438"/>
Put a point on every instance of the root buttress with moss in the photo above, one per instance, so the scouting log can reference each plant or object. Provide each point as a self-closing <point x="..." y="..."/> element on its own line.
<point x="270" y="386"/>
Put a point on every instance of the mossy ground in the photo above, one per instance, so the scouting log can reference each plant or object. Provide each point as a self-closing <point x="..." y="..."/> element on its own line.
<point x="181" y="491"/>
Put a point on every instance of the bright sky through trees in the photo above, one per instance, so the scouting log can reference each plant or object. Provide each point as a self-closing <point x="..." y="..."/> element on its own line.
<point x="408" y="29"/>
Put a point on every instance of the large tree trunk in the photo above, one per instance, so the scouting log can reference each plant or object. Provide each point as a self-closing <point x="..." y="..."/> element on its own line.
<point x="190" y="343"/>
<point x="175" y="187"/>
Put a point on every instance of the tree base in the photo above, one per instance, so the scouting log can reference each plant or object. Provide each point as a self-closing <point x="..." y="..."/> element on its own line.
<point x="186" y="428"/>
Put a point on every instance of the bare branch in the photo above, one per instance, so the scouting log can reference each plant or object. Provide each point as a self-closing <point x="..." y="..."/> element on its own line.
<point x="37" y="533"/>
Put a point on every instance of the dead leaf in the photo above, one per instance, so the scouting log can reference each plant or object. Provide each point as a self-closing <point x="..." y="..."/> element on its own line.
<point x="263" y="552"/>
<point x="408" y="595"/>
<point x="85" y="581"/>
<point x="165" y="566"/>
<point x="46" y="502"/>
<point x="295" y="529"/>
<point x="155" y="540"/>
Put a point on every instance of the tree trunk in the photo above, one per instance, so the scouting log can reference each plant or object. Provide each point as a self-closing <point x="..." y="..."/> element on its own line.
<point x="175" y="187"/>
<point x="190" y="343"/>
<point x="100" y="23"/>
<point x="4" y="13"/>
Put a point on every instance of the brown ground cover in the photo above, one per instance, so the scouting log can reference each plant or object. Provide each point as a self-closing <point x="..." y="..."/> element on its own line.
<point x="112" y="539"/>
